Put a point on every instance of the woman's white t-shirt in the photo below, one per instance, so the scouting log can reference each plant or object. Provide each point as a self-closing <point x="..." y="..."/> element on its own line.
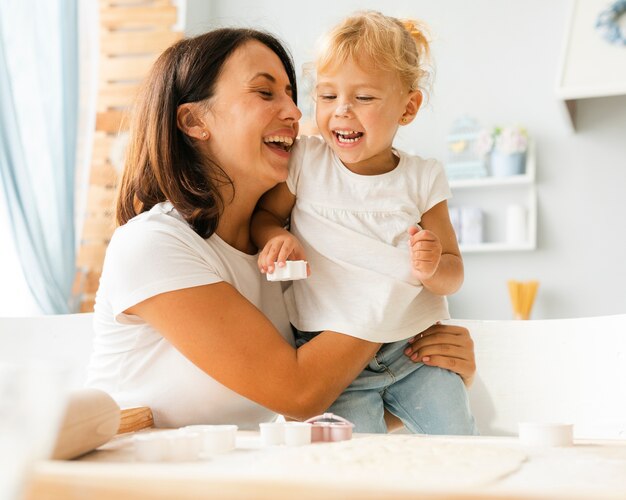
<point x="157" y="252"/>
<point x="354" y="232"/>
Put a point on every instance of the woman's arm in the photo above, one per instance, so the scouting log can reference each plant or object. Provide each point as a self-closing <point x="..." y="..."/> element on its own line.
<point x="435" y="253"/>
<point x="223" y="334"/>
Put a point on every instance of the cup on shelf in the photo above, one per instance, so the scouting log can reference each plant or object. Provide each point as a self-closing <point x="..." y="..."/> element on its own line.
<point x="507" y="164"/>
<point x="471" y="225"/>
<point x="516" y="224"/>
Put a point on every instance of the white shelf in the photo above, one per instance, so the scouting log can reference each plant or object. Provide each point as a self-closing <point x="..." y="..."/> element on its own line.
<point x="491" y="182"/>
<point x="492" y="195"/>
<point x="527" y="179"/>
<point x="497" y="247"/>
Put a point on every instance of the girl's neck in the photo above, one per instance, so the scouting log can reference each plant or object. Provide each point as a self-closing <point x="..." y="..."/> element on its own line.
<point x="378" y="164"/>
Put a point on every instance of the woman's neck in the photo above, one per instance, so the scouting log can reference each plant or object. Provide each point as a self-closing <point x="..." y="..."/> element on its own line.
<point x="234" y="224"/>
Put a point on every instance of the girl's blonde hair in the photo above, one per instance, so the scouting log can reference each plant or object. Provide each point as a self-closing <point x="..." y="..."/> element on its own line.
<point x="387" y="42"/>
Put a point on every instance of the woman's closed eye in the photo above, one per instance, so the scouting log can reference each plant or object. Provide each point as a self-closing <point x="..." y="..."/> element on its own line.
<point x="266" y="93"/>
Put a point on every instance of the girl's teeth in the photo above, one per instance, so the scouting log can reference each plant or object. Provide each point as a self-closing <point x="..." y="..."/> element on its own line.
<point x="343" y="136"/>
<point x="344" y="139"/>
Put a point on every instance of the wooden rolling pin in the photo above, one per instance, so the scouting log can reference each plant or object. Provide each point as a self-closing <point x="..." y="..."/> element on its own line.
<point x="92" y="418"/>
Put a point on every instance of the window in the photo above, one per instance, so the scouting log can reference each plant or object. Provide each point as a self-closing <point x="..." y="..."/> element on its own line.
<point x="15" y="297"/>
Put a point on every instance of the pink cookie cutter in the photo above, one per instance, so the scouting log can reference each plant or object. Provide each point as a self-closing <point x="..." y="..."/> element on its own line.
<point x="329" y="427"/>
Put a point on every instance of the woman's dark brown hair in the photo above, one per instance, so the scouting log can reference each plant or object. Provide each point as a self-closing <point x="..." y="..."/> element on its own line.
<point x="162" y="162"/>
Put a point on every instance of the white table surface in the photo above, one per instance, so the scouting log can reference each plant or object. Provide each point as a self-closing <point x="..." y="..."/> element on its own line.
<point x="587" y="470"/>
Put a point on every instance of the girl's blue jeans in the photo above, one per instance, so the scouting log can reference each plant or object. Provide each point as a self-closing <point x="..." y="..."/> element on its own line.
<point x="428" y="399"/>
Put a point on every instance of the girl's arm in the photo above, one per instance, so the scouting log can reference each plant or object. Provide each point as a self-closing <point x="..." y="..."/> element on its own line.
<point x="228" y="338"/>
<point x="435" y="254"/>
<point x="268" y="232"/>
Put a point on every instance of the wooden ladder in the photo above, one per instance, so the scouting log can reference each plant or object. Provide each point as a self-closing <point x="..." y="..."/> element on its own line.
<point x="132" y="35"/>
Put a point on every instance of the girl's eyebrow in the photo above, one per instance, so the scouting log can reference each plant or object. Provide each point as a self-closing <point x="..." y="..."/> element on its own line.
<point x="269" y="77"/>
<point x="358" y="85"/>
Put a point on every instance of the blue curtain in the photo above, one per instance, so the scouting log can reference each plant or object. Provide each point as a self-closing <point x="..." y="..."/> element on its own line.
<point x="38" y="119"/>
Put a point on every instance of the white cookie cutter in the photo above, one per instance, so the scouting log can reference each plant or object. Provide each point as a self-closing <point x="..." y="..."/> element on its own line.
<point x="330" y="427"/>
<point x="546" y="434"/>
<point x="272" y="433"/>
<point x="167" y="446"/>
<point x="292" y="270"/>
<point x="288" y="433"/>
<point x="215" y="438"/>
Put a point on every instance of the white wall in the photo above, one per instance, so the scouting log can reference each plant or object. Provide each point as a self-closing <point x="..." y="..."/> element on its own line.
<point x="498" y="61"/>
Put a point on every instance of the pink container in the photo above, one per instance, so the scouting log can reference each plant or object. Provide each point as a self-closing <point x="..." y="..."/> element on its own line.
<point x="329" y="427"/>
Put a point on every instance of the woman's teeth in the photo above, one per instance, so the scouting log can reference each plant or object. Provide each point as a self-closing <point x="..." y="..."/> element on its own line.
<point x="284" y="142"/>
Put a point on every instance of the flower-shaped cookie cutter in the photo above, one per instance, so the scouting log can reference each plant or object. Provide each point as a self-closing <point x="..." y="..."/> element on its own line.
<point x="330" y="427"/>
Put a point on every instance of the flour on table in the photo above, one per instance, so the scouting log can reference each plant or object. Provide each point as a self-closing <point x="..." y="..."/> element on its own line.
<point x="401" y="462"/>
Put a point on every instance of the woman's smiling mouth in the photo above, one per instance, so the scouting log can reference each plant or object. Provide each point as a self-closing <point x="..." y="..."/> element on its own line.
<point x="281" y="142"/>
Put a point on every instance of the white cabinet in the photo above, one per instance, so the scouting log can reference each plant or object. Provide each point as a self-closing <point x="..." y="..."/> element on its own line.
<point x="496" y="196"/>
<point x="590" y="66"/>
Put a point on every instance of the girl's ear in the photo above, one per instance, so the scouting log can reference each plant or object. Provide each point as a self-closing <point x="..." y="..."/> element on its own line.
<point x="188" y="121"/>
<point x="412" y="107"/>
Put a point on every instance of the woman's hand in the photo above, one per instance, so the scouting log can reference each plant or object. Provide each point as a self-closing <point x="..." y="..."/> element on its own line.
<point x="445" y="346"/>
<point x="279" y="249"/>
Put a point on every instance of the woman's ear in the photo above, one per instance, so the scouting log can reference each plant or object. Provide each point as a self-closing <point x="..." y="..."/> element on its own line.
<point x="412" y="107"/>
<point x="188" y="121"/>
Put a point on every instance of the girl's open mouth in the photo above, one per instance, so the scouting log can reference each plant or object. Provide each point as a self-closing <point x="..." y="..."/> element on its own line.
<point x="347" y="136"/>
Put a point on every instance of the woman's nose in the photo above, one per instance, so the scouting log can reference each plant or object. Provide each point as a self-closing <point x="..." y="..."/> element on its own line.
<point x="290" y="110"/>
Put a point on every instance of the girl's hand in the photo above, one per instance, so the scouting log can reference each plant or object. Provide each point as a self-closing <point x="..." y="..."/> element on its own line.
<point x="426" y="250"/>
<point x="445" y="346"/>
<point x="279" y="249"/>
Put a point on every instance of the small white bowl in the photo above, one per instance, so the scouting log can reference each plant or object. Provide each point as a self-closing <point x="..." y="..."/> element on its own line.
<point x="183" y="446"/>
<point x="297" y="433"/>
<point x="151" y="447"/>
<point x="272" y="433"/>
<point x="167" y="446"/>
<point x="215" y="438"/>
<point x="546" y="434"/>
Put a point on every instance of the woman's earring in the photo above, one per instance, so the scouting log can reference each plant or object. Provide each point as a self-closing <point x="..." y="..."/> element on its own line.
<point x="204" y="134"/>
